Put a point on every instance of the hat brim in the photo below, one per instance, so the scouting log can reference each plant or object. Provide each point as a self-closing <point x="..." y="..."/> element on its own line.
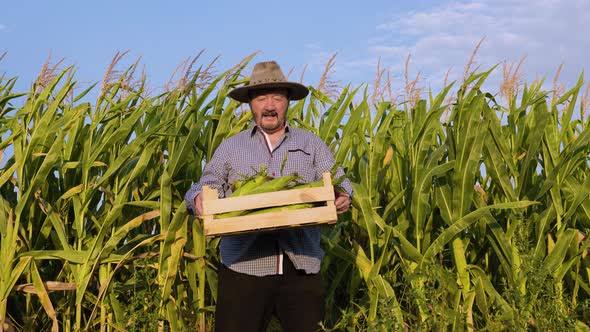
<point x="296" y="91"/>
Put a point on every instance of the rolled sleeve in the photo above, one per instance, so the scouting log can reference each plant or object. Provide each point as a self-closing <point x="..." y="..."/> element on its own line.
<point x="189" y="198"/>
<point x="214" y="176"/>
<point x="325" y="162"/>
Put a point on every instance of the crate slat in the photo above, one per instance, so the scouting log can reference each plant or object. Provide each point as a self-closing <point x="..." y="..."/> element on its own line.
<point x="271" y="220"/>
<point x="278" y="198"/>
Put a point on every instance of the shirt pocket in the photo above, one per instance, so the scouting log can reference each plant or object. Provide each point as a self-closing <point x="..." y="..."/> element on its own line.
<point x="300" y="162"/>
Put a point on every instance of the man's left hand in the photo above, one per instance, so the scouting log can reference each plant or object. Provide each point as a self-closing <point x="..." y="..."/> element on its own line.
<point x="342" y="202"/>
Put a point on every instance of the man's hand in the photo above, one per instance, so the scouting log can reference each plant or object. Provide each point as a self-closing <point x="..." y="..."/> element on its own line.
<point x="342" y="202"/>
<point x="199" y="205"/>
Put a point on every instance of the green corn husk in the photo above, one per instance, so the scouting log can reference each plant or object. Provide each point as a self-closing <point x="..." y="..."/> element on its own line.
<point x="281" y="208"/>
<point x="258" y="185"/>
<point x="276" y="184"/>
<point x="250" y="185"/>
<point x="314" y="184"/>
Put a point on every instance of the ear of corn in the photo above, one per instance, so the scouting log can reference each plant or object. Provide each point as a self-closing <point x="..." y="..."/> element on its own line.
<point x="260" y="176"/>
<point x="247" y="187"/>
<point x="314" y="184"/>
<point x="275" y="184"/>
<point x="237" y="184"/>
<point x="282" y="208"/>
<point x="258" y="185"/>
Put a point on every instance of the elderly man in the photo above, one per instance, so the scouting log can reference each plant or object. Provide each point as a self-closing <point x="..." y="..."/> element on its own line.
<point x="274" y="272"/>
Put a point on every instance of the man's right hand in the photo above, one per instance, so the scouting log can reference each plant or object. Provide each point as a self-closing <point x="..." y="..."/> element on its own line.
<point x="199" y="205"/>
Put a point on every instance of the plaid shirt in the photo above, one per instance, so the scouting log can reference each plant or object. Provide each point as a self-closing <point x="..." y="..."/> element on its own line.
<point x="302" y="152"/>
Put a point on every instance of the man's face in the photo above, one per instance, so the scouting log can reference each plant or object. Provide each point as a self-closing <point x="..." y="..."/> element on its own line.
<point x="269" y="109"/>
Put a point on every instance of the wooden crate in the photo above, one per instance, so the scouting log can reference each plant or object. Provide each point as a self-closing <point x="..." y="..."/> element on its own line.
<point x="213" y="205"/>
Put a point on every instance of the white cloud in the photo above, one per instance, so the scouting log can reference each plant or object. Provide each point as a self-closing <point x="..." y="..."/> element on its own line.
<point x="547" y="32"/>
<point x="389" y="51"/>
<point x="452" y="17"/>
<point x="2" y="27"/>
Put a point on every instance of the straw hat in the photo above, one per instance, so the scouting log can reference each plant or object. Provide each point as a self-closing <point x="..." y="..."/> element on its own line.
<point x="268" y="75"/>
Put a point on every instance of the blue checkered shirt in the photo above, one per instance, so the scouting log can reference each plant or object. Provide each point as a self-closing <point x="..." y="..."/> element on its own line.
<point x="242" y="154"/>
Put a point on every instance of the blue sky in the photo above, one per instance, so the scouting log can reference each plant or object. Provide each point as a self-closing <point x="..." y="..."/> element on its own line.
<point x="439" y="35"/>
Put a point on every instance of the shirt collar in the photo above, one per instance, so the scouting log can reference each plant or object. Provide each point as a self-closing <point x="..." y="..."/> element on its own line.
<point x="256" y="128"/>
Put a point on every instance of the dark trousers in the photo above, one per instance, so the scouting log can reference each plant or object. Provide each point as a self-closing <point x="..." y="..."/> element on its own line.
<point x="247" y="303"/>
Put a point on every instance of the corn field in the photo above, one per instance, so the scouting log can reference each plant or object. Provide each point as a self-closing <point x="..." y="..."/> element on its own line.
<point x="471" y="209"/>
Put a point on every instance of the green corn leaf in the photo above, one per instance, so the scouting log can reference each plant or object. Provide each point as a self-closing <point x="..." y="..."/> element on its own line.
<point x="448" y="234"/>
